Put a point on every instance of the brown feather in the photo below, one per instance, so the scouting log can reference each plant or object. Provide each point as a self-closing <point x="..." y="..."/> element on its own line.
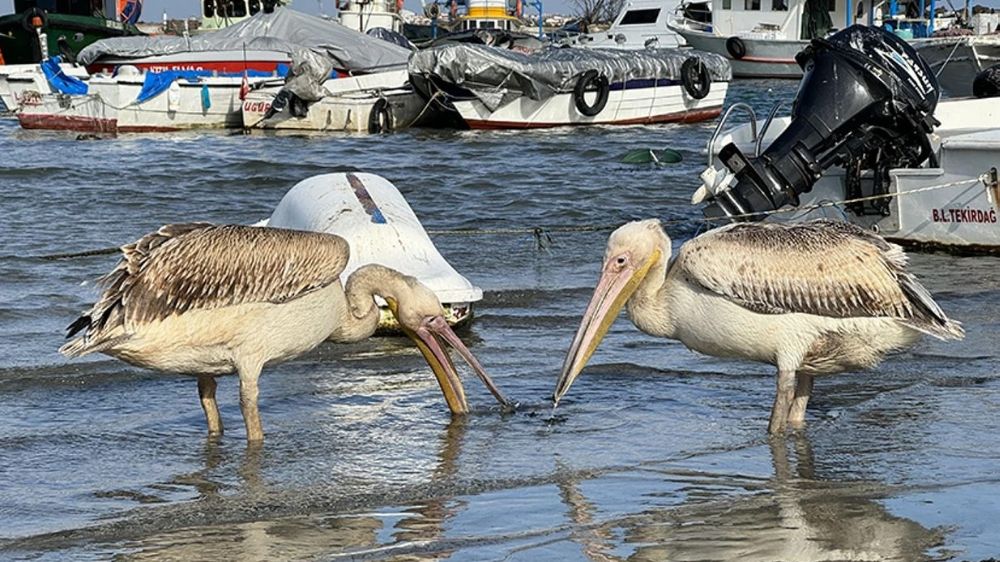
<point x="183" y="267"/>
<point x="826" y="268"/>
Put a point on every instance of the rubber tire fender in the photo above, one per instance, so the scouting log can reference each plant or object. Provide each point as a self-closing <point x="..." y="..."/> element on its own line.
<point x="695" y="78"/>
<point x="588" y="78"/>
<point x="380" y="118"/>
<point x="736" y="48"/>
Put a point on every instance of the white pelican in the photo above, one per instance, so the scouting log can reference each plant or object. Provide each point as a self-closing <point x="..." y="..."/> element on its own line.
<point x="209" y="300"/>
<point x="813" y="298"/>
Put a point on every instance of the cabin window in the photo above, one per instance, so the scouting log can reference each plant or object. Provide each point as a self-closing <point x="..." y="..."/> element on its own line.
<point x="779" y="5"/>
<point x="727" y="4"/>
<point x="831" y="5"/>
<point x="237" y="9"/>
<point x="254" y="6"/>
<point x="751" y="5"/>
<point x="209" y="8"/>
<point x="637" y="17"/>
<point x="487" y="25"/>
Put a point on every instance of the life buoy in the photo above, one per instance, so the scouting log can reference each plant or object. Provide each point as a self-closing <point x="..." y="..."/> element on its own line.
<point x="28" y="21"/>
<point x="433" y="11"/>
<point x="695" y="78"/>
<point x="380" y="118"/>
<point x="736" y="48"/>
<point x="587" y="82"/>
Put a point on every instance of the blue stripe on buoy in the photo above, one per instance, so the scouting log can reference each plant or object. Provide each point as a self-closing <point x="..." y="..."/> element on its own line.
<point x="366" y="200"/>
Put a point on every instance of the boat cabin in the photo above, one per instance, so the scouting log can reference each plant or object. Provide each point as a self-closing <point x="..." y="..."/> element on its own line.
<point x="488" y="14"/>
<point x="106" y="8"/>
<point x="216" y="14"/>
<point x="793" y="20"/>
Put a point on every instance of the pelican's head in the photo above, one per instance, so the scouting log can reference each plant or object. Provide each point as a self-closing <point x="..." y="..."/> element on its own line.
<point x="421" y="317"/>
<point x="633" y="250"/>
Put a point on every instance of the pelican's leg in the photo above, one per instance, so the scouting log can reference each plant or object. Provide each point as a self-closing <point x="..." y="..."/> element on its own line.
<point x="803" y="390"/>
<point x="206" y="390"/>
<point x="782" y="401"/>
<point x="248" y="401"/>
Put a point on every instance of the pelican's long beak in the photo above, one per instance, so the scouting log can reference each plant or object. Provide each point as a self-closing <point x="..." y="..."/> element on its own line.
<point x="613" y="290"/>
<point x="431" y="337"/>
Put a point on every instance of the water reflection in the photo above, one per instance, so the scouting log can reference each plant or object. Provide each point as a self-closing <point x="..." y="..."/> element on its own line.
<point x="304" y="536"/>
<point x="796" y="517"/>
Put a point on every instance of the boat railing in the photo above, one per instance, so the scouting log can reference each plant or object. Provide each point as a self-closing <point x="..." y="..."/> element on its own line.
<point x="746" y="108"/>
<point x="767" y="123"/>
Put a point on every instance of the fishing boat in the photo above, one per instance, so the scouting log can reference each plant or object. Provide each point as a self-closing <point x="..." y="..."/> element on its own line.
<point x="922" y="173"/>
<point x="957" y="60"/>
<point x="371" y="103"/>
<point x="371" y="214"/>
<point x="493" y="88"/>
<point x="37" y="30"/>
<point x="762" y="37"/>
<point x="135" y="102"/>
<point x="140" y="99"/>
<point x="640" y="24"/>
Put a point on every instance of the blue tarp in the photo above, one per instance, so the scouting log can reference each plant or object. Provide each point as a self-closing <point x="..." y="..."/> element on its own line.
<point x="157" y="82"/>
<point x="59" y="80"/>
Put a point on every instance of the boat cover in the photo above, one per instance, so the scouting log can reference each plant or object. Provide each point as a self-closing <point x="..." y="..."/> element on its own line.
<point x="498" y="76"/>
<point x="284" y="30"/>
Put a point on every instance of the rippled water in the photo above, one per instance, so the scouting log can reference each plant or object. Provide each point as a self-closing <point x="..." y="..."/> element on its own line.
<point x="656" y="454"/>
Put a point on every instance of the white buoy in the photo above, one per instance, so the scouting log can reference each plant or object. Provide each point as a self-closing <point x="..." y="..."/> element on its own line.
<point x="371" y="214"/>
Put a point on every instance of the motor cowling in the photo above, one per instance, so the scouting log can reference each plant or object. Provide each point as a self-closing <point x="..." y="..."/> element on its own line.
<point x="864" y="91"/>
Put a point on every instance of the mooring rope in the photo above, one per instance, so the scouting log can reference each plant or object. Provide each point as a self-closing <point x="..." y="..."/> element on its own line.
<point x="543" y="239"/>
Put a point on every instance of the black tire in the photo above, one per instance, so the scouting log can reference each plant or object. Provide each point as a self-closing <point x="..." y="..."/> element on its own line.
<point x="30" y="15"/>
<point x="587" y="82"/>
<point x="380" y="118"/>
<point x="695" y="78"/>
<point x="736" y="48"/>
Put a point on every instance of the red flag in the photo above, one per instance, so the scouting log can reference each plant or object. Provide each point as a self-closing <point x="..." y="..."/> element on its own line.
<point x="244" y="87"/>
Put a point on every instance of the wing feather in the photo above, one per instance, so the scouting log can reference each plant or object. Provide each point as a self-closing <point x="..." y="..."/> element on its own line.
<point x="183" y="267"/>
<point x="826" y="268"/>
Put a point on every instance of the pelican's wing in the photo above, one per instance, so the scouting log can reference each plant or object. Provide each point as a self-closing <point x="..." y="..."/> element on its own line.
<point x="827" y="268"/>
<point x="200" y="266"/>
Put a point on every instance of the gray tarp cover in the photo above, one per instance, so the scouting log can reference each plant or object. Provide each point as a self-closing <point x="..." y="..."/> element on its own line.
<point x="284" y="30"/>
<point x="497" y="76"/>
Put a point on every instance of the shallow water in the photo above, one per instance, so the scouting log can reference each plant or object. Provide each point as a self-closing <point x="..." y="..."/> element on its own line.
<point x="656" y="454"/>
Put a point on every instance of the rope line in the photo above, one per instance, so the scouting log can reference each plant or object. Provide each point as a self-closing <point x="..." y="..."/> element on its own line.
<point x="543" y="239"/>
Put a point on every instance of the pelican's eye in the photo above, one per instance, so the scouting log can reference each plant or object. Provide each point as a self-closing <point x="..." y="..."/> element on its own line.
<point x="621" y="261"/>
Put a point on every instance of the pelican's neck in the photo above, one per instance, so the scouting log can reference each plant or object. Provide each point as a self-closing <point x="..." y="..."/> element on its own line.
<point x="648" y="308"/>
<point x="363" y="314"/>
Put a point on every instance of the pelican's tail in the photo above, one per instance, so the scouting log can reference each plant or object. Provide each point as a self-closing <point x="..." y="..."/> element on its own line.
<point x="927" y="316"/>
<point x="81" y="345"/>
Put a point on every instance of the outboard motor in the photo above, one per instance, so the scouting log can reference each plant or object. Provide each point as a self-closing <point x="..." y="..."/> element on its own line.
<point x="866" y="99"/>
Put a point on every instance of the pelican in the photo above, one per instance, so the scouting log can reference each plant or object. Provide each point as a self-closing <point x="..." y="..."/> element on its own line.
<point x="814" y="298"/>
<point x="210" y="300"/>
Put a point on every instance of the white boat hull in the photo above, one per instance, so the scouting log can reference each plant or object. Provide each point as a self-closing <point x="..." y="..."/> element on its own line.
<point x="944" y="207"/>
<point x="632" y="106"/>
<point x="765" y="58"/>
<point x="109" y="107"/>
<point x="380" y="227"/>
<point x="957" y="60"/>
<point x="16" y="79"/>
<point x="348" y="108"/>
